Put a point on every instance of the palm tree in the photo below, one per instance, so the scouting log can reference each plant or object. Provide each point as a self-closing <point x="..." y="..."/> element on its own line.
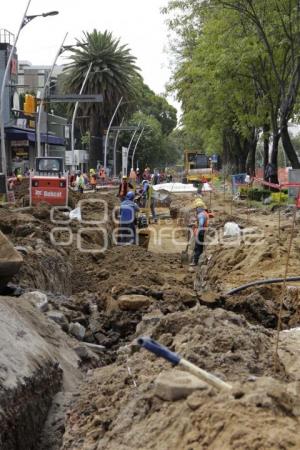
<point x="113" y="75"/>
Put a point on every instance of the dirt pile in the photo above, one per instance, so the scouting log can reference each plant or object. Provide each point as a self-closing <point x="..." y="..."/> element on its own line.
<point x="181" y="205"/>
<point x="50" y="242"/>
<point x="256" y="254"/>
<point x="37" y="360"/>
<point x="118" y="409"/>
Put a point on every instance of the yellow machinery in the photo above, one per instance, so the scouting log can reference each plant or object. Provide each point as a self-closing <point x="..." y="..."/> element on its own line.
<point x="197" y="167"/>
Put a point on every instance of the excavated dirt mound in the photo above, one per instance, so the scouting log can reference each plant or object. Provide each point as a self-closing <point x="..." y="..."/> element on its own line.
<point x="118" y="408"/>
<point x="50" y="243"/>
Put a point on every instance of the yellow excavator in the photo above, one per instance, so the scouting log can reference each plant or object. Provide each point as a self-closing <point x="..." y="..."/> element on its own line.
<point x="197" y="167"/>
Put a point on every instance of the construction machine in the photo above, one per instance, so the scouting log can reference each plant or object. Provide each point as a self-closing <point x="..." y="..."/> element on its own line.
<point x="197" y="167"/>
<point x="49" y="182"/>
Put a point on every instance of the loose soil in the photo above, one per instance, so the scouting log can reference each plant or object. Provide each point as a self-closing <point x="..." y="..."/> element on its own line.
<point x="185" y="309"/>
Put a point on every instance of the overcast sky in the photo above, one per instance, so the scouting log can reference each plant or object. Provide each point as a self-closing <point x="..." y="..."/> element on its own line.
<point x="138" y="23"/>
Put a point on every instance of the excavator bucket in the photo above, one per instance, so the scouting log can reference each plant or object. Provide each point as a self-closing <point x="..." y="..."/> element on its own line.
<point x="10" y="260"/>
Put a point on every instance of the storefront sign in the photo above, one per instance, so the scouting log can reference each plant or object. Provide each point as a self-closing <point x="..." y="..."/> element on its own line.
<point x="24" y="143"/>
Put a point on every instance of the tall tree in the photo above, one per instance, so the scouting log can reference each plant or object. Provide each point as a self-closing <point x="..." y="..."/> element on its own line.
<point x="237" y="71"/>
<point x="113" y="75"/>
<point x="278" y="27"/>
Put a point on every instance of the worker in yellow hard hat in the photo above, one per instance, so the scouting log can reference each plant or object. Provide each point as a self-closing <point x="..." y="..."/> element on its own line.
<point x="199" y="203"/>
<point x="199" y="229"/>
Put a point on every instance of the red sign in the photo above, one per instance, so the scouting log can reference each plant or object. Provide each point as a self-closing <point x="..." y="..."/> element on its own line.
<point x="50" y="190"/>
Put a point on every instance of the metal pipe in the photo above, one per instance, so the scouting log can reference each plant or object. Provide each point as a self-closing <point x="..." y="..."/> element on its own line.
<point x="108" y="130"/>
<point x="260" y="283"/>
<point x="135" y="147"/>
<point x="115" y="148"/>
<point x="74" y="116"/>
<point x="3" y="85"/>
<point x="43" y="95"/>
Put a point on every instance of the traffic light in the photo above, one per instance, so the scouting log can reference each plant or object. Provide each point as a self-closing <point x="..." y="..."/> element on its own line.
<point x="30" y="104"/>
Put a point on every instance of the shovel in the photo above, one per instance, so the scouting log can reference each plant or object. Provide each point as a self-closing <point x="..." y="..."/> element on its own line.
<point x="177" y="360"/>
<point x="184" y="257"/>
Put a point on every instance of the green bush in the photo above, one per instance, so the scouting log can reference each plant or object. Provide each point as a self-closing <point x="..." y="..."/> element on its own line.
<point x="279" y="197"/>
<point x="255" y="193"/>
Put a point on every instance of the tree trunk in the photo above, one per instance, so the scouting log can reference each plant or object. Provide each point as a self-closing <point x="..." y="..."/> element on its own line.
<point x="274" y="157"/>
<point x="226" y="149"/>
<point x="241" y="153"/>
<point x="288" y="147"/>
<point x="251" y="150"/>
<point x="266" y="131"/>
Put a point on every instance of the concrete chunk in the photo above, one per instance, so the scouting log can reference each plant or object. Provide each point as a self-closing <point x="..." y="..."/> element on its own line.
<point x="77" y="330"/>
<point x="38" y="299"/>
<point x="59" y="318"/>
<point x="174" y="385"/>
<point x="133" y="302"/>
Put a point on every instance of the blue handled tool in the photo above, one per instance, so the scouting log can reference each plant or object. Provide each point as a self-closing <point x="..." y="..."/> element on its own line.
<point x="163" y="352"/>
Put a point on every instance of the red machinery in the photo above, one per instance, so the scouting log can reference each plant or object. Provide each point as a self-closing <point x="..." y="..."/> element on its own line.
<point x="49" y="182"/>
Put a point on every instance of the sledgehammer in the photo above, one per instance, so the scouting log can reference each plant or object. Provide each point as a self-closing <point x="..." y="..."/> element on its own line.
<point x="177" y="360"/>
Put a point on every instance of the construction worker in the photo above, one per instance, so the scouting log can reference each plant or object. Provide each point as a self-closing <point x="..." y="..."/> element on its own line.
<point x="93" y="178"/>
<point x="138" y="176"/>
<point x="148" y="198"/>
<point x="124" y="187"/>
<point x="128" y="210"/>
<point x="132" y="177"/>
<point x="199" y="229"/>
<point x="147" y="174"/>
<point x="155" y="179"/>
<point x="102" y="175"/>
<point x="80" y="182"/>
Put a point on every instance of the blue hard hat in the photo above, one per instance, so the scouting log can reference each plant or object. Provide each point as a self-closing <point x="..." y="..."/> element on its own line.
<point x="130" y="195"/>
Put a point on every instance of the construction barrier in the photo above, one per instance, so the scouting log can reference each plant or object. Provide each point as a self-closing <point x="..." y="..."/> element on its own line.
<point x="237" y="180"/>
<point x="280" y="187"/>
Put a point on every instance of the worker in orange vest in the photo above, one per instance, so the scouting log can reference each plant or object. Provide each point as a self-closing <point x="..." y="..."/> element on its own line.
<point x="199" y="229"/>
<point x="102" y="175"/>
<point x="124" y="188"/>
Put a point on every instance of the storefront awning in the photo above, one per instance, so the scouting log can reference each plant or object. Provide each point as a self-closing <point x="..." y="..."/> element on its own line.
<point x="17" y="134"/>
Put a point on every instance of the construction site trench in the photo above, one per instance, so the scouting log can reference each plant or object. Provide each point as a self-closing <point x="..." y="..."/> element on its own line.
<point x="71" y="373"/>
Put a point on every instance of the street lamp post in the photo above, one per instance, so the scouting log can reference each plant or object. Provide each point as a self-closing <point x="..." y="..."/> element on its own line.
<point x="108" y="130"/>
<point x="115" y="148"/>
<point x="25" y="20"/>
<point x="135" y="147"/>
<point x="74" y="116"/>
<point x="132" y="137"/>
<point x="43" y="95"/>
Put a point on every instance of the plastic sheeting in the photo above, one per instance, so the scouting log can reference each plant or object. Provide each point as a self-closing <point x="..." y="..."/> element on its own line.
<point x="175" y="187"/>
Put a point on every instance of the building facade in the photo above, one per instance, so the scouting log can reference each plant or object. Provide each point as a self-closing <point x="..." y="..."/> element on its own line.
<point x="20" y="127"/>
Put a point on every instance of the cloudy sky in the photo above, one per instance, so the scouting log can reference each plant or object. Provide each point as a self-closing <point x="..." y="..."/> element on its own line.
<point x="138" y="23"/>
